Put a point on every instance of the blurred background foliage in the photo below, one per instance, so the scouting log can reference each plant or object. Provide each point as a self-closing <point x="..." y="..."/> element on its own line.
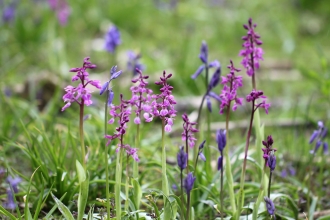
<point x="37" y="52"/>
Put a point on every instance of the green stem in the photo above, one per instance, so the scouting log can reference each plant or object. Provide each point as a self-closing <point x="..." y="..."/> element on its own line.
<point x="164" y="175"/>
<point x="81" y="131"/>
<point x="228" y="173"/>
<point x="137" y="145"/>
<point x="188" y="205"/>
<point x="118" y="184"/>
<point x="241" y="190"/>
<point x="127" y="183"/>
<point x="269" y="183"/>
<point x="260" y="195"/>
<point x="106" y="158"/>
<point x="182" y="197"/>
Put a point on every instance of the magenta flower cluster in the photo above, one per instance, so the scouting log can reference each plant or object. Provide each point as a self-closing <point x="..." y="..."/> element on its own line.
<point x="122" y="112"/>
<point x="162" y="105"/>
<point x="80" y="94"/>
<point x="141" y="96"/>
<point x="188" y="131"/>
<point x="254" y="95"/>
<point x="231" y="83"/>
<point x="251" y="53"/>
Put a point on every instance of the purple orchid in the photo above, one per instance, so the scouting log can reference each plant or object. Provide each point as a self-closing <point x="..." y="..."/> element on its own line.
<point x="253" y="96"/>
<point x="62" y="9"/>
<point x="188" y="131"/>
<point x="162" y="105"/>
<point x="141" y="96"/>
<point x="228" y="94"/>
<point x="80" y="94"/>
<point x="251" y="53"/>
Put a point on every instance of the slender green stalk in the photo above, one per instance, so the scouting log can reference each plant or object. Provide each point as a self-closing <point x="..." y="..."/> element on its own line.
<point x="137" y="145"/>
<point x="241" y="190"/>
<point x="127" y="183"/>
<point x="260" y="195"/>
<point x="165" y="188"/>
<point x="106" y="158"/>
<point x="164" y="175"/>
<point x="81" y="132"/>
<point x="118" y="183"/>
<point x="228" y="173"/>
<point x="182" y="197"/>
<point x="208" y="168"/>
<point x="221" y="190"/>
<point x="188" y="205"/>
<point x="269" y="183"/>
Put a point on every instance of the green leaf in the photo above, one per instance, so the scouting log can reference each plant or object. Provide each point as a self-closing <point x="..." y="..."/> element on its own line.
<point x="63" y="209"/>
<point x="83" y="196"/>
<point x="292" y="204"/>
<point x="137" y="193"/>
<point x="4" y="212"/>
<point x="81" y="172"/>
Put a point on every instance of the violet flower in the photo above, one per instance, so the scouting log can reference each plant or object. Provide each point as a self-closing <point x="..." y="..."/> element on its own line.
<point x="271" y="161"/>
<point x="221" y="141"/>
<point x="105" y="87"/>
<point x="14" y="182"/>
<point x="141" y="96"/>
<point x="162" y="105"/>
<point x="189" y="182"/>
<point x="62" y="9"/>
<point x="10" y="203"/>
<point x="251" y="53"/>
<point x="269" y="205"/>
<point x="200" y="151"/>
<point x="253" y="96"/>
<point x="8" y="12"/>
<point x="112" y="39"/>
<point x="182" y="159"/>
<point x="133" y="63"/>
<point x="269" y="148"/>
<point x="80" y="94"/>
<point x="228" y="94"/>
<point x="188" y="131"/>
<point x="319" y="135"/>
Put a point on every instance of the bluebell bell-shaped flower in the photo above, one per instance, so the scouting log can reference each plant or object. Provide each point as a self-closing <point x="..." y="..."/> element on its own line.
<point x="8" y="12"/>
<point x="189" y="182"/>
<point x="318" y="136"/>
<point x="10" y="203"/>
<point x="105" y="87"/>
<point x="272" y="161"/>
<point x="112" y="39"/>
<point x="14" y="182"/>
<point x="269" y="205"/>
<point x="133" y="63"/>
<point x="182" y="159"/>
<point x="204" y="52"/>
<point x="221" y="139"/>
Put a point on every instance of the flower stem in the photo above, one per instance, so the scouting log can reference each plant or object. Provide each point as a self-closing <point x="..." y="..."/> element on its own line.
<point x="228" y="173"/>
<point x="188" y="205"/>
<point x="241" y="190"/>
<point x="182" y="198"/>
<point x="269" y="183"/>
<point x="137" y="145"/>
<point x="106" y="149"/>
<point x="260" y="195"/>
<point x="127" y="183"/>
<point x="165" y="188"/>
<point x="81" y="131"/>
<point x="118" y="184"/>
